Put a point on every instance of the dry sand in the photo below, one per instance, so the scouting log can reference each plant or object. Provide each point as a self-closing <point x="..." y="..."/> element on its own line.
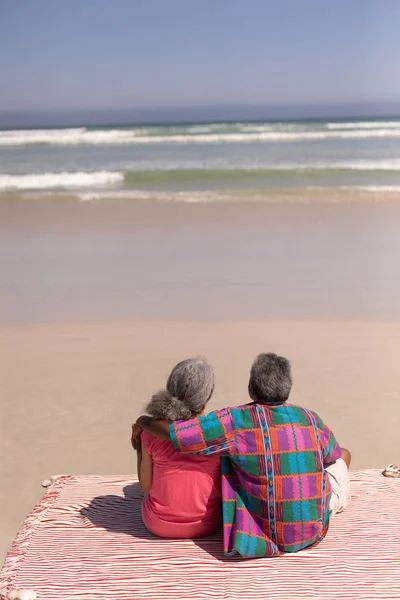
<point x="69" y="392"/>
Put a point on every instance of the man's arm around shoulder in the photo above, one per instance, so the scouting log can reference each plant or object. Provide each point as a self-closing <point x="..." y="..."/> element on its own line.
<point x="160" y="429"/>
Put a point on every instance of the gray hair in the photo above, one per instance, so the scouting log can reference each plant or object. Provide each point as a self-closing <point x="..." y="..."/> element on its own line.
<point x="189" y="388"/>
<point x="270" y="379"/>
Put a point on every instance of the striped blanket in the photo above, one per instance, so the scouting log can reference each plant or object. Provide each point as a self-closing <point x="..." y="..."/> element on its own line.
<point x="86" y="541"/>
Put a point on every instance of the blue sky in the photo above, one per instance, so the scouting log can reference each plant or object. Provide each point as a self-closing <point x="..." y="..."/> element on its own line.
<point x="88" y="54"/>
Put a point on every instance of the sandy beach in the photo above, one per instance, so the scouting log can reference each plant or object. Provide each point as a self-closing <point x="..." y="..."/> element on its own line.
<point x="100" y="300"/>
<point x="70" y="391"/>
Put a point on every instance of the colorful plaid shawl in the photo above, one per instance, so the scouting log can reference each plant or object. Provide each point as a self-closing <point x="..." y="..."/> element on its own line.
<point x="274" y="487"/>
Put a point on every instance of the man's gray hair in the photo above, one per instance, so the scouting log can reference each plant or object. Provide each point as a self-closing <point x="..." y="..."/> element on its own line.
<point x="189" y="388"/>
<point x="270" y="379"/>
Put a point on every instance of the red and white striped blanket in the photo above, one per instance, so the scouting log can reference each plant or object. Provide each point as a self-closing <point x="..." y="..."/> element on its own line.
<point x="86" y="541"/>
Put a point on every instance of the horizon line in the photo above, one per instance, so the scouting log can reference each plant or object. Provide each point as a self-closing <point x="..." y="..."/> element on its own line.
<point x="107" y="117"/>
<point x="216" y="106"/>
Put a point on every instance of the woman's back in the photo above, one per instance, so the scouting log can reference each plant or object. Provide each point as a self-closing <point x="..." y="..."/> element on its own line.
<point x="185" y="494"/>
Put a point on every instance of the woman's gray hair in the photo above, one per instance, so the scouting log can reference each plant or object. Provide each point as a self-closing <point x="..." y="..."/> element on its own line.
<point x="189" y="388"/>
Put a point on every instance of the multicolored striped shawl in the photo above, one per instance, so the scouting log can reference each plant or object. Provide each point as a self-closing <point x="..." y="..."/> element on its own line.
<point x="274" y="486"/>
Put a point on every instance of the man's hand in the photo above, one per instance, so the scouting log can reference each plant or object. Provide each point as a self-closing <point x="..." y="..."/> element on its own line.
<point x="160" y="429"/>
<point x="135" y="437"/>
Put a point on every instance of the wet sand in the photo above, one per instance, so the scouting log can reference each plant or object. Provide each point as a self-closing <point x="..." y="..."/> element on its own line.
<point x="63" y="260"/>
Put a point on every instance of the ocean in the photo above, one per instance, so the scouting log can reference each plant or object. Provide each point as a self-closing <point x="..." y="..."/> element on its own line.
<point x="275" y="220"/>
<point x="201" y="162"/>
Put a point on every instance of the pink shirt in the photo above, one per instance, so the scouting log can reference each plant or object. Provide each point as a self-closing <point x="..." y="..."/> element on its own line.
<point x="185" y="494"/>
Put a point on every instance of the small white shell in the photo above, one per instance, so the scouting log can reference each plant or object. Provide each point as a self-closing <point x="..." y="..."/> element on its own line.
<point x="391" y="471"/>
<point x="22" y="595"/>
<point x="48" y="482"/>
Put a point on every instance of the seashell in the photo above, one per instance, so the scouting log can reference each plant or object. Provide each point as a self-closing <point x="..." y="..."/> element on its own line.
<point x="391" y="471"/>
<point x="48" y="482"/>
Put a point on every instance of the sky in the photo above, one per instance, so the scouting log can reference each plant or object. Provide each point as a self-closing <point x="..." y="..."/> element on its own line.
<point x="120" y="54"/>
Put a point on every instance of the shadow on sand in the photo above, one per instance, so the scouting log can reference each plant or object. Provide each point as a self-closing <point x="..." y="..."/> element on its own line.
<point x="123" y="515"/>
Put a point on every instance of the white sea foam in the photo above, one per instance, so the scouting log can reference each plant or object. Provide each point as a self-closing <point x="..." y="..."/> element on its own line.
<point x="351" y="165"/>
<point x="302" y="195"/>
<point x="40" y="181"/>
<point x="120" y="137"/>
<point x="365" y="125"/>
<point x="68" y="137"/>
<point x="273" y="136"/>
<point x="378" y="188"/>
<point x="203" y="196"/>
<point x="188" y="197"/>
<point x="345" y="165"/>
<point x="201" y="129"/>
<point x="84" y="180"/>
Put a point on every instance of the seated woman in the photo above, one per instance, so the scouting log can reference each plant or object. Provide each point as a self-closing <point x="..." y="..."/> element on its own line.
<point x="183" y="491"/>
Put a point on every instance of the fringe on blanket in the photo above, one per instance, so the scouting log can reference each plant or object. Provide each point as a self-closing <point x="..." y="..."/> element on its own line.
<point x="24" y="537"/>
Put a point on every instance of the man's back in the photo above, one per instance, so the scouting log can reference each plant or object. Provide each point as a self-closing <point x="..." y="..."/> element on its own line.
<point x="274" y="487"/>
<point x="279" y="456"/>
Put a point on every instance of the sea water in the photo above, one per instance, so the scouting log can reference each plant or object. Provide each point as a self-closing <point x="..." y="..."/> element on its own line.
<point x="116" y="253"/>
<point x="134" y="161"/>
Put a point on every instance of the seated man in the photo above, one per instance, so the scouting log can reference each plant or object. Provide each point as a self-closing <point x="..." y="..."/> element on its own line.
<point x="276" y="459"/>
